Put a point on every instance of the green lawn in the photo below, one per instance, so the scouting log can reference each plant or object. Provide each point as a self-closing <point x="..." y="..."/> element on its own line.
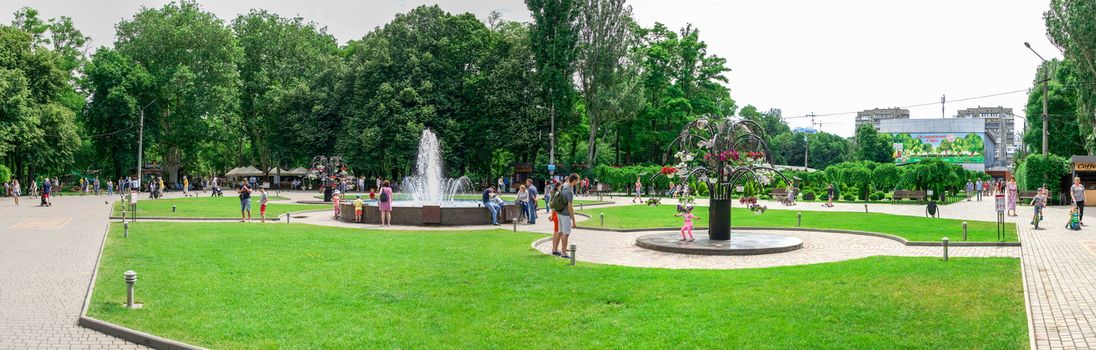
<point x="237" y="285"/>
<point x="912" y="228"/>
<point x="210" y="207"/>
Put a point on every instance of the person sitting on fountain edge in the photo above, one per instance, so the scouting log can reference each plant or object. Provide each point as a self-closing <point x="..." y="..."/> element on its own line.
<point x="488" y="201"/>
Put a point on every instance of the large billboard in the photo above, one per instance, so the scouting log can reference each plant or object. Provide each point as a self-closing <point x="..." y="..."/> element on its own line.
<point x="959" y="148"/>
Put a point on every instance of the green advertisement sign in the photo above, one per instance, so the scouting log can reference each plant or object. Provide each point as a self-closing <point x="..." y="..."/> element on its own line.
<point x="949" y="147"/>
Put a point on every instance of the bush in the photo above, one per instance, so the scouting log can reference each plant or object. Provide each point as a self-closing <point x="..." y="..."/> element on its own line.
<point x="5" y="174"/>
<point x="1044" y="170"/>
<point x="808" y="195"/>
<point x="877" y="196"/>
<point x="850" y="195"/>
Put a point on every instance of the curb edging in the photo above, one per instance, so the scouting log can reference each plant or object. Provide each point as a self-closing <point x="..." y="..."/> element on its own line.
<point x="901" y="240"/>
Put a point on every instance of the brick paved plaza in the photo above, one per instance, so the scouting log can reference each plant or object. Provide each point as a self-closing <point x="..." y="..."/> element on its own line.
<point x="47" y="256"/>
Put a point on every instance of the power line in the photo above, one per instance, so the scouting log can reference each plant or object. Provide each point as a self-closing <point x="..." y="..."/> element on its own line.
<point x="938" y="102"/>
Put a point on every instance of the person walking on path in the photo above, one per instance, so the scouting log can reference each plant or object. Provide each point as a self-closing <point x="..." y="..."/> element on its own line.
<point x="502" y="185"/>
<point x="110" y="188"/>
<point x="15" y="190"/>
<point x="829" y="196"/>
<point x="245" y="203"/>
<point x="186" y="187"/>
<point x="549" y="189"/>
<point x="639" y="192"/>
<point x="565" y="213"/>
<point x="531" y="211"/>
<point x="970" y="189"/>
<point x="1013" y="195"/>
<point x="386" y="203"/>
<point x="1077" y="194"/>
<point x="33" y="191"/>
<point x="978" y="187"/>
<point x="47" y="190"/>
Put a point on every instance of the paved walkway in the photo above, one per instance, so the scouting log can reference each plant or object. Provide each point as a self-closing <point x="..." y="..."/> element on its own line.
<point x="47" y="256"/>
<point x="1060" y="280"/>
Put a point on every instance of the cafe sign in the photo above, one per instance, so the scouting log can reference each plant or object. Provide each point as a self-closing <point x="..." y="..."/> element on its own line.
<point x="1084" y="166"/>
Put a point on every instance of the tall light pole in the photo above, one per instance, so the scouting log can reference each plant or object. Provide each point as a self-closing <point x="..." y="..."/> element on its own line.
<point x="551" y="141"/>
<point x="1046" y="80"/>
<point x="140" y="143"/>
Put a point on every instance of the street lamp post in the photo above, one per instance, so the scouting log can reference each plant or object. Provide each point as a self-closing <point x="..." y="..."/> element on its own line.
<point x="1046" y="80"/>
<point x="140" y="143"/>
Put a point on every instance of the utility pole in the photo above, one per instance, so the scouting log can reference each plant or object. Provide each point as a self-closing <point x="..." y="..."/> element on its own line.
<point x="1046" y="80"/>
<point x="140" y="143"/>
<point x="807" y="145"/>
<point x="942" y="100"/>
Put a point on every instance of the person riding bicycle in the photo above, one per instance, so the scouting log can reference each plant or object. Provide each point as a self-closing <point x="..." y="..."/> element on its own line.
<point x="1038" y="202"/>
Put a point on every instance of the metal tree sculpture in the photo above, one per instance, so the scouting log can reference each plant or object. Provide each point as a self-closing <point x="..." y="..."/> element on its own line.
<point x="720" y="152"/>
<point x="326" y="167"/>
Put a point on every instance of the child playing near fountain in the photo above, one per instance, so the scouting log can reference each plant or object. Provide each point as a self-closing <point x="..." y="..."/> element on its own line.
<point x="263" y="198"/>
<point x="372" y="193"/>
<point x="688" y="226"/>
<point x="335" y="200"/>
<point x="358" y="209"/>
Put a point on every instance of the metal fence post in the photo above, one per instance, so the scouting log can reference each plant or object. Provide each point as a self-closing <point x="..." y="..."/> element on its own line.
<point x="945" y="249"/>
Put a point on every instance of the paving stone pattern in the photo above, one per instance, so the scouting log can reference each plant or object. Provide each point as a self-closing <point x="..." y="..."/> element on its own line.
<point x="46" y="260"/>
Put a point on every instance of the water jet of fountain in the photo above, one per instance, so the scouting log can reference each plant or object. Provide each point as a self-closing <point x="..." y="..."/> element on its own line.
<point x="428" y="186"/>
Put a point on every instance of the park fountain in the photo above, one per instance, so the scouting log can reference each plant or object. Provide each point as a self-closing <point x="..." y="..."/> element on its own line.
<point x="428" y="186"/>
<point x="429" y="198"/>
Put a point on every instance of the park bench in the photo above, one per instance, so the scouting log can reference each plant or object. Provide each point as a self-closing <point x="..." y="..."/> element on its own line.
<point x="1026" y="196"/>
<point x="781" y="195"/>
<point x="600" y="190"/>
<point x="905" y="194"/>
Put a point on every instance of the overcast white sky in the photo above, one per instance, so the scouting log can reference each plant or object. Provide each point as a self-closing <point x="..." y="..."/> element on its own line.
<point x="801" y="56"/>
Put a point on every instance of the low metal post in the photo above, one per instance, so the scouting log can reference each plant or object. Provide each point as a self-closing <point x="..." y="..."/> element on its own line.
<point x="172" y="208"/>
<point x="964" y="230"/>
<point x="580" y="206"/>
<point x="126" y="226"/>
<point x="865" y="208"/>
<point x="798" y="219"/>
<point x="131" y="279"/>
<point x="287" y="215"/>
<point x="602" y="219"/>
<point x="572" y="254"/>
<point x="945" y="249"/>
<point x="515" y="221"/>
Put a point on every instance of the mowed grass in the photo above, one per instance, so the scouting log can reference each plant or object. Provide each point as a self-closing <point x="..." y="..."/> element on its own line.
<point x="237" y="285"/>
<point x="912" y="228"/>
<point x="469" y="197"/>
<point x="209" y="207"/>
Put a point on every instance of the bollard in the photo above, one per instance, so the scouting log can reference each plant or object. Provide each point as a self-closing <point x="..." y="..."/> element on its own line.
<point x="515" y="220"/>
<point x="131" y="278"/>
<point x="865" y="207"/>
<point x="964" y="230"/>
<point x="572" y="254"/>
<point x="798" y="219"/>
<point x="945" y="249"/>
<point x="580" y="206"/>
<point x="602" y="219"/>
<point x="287" y="214"/>
<point x="172" y="208"/>
<point x="126" y="225"/>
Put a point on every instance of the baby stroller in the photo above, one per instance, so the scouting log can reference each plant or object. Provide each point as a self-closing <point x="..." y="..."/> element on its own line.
<point x="217" y="192"/>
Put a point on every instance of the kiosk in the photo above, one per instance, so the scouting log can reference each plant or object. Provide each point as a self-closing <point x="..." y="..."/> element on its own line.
<point x="1085" y="168"/>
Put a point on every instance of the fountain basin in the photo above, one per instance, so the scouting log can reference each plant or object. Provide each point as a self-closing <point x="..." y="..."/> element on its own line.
<point x="425" y="215"/>
<point x="741" y="243"/>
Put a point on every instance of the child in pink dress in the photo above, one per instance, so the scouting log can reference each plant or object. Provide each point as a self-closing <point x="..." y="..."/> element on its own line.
<point x="688" y="226"/>
<point x="335" y="199"/>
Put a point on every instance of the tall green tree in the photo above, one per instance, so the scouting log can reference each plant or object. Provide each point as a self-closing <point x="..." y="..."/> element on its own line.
<point x="605" y="36"/>
<point x="771" y="121"/>
<point x="192" y="59"/>
<point x="117" y="86"/>
<point x="1071" y="27"/>
<point x="281" y="56"/>
<point x="1064" y="111"/>
<point x="873" y="146"/>
<point x="554" y="37"/>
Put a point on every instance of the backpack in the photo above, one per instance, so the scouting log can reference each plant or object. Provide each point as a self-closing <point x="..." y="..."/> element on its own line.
<point x="384" y="196"/>
<point x="557" y="203"/>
